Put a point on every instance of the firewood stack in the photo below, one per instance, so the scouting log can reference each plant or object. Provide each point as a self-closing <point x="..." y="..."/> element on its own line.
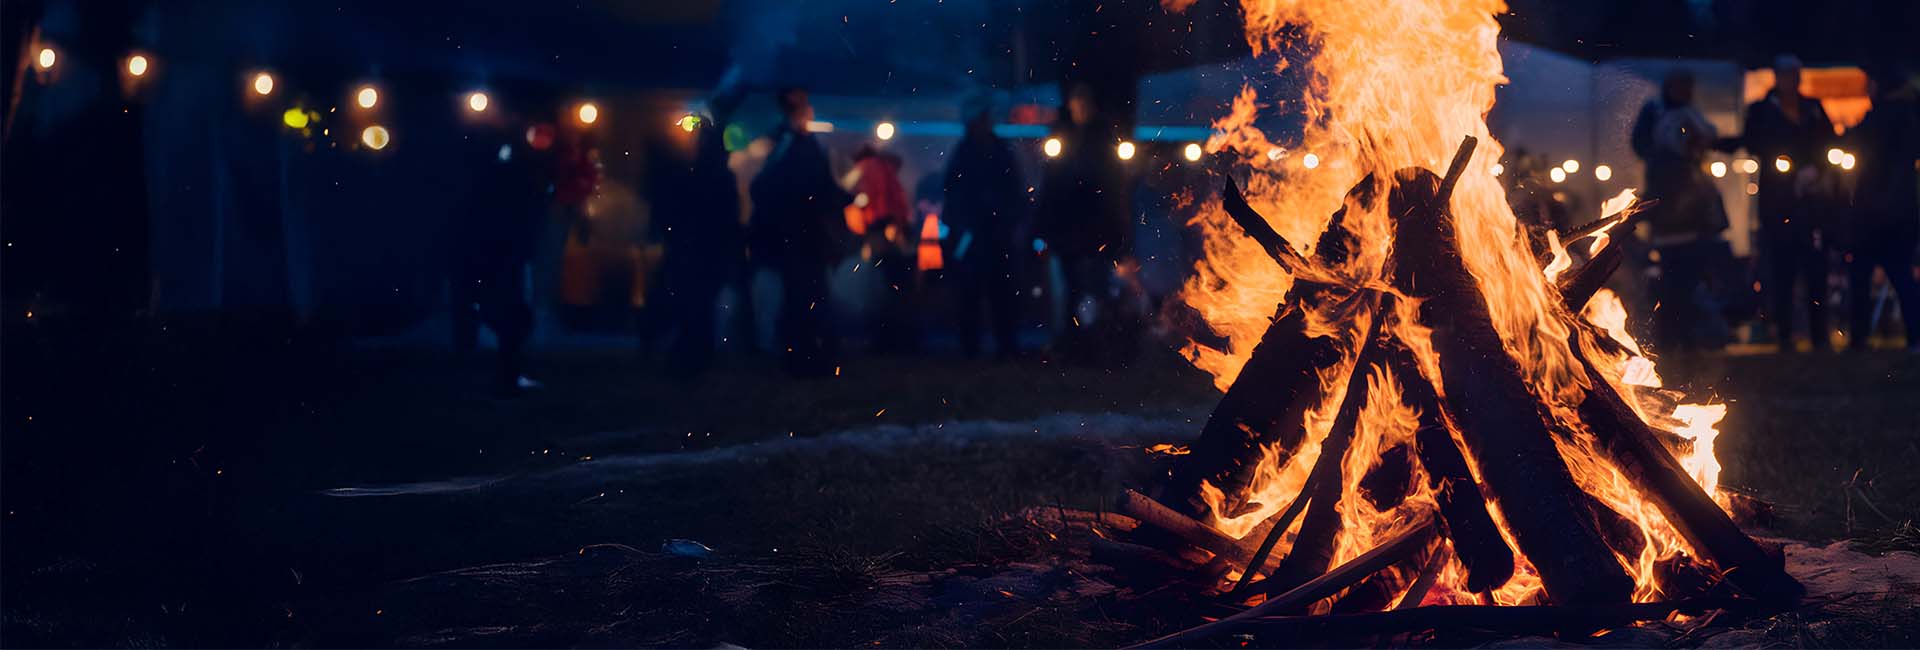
<point x="1486" y="445"/>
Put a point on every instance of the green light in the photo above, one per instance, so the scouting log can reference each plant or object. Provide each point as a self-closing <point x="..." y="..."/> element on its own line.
<point x="295" y="118"/>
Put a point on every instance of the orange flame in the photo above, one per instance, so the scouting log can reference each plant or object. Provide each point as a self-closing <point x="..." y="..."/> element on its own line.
<point x="1391" y="88"/>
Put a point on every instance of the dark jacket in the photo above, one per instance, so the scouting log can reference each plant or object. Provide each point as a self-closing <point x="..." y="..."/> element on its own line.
<point x="696" y="207"/>
<point x="1083" y="205"/>
<point x="1770" y="135"/>
<point x="796" y="203"/>
<point x="500" y="220"/>
<point x="986" y="197"/>
<point x="1886" y="146"/>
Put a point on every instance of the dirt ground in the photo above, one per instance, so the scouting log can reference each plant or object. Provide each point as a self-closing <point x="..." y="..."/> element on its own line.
<point x="387" y="498"/>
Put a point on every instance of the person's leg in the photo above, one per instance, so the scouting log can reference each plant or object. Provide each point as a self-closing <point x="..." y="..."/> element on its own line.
<point x="1004" y="301"/>
<point x="1860" y="295"/>
<point x="1897" y="259"/>
<point x="1672" y="299"/>
<point x="1780" y="287"/>
<point x="503" y="306"/>
<point x="1814" y="267"/>
<point x="969" y="298"/>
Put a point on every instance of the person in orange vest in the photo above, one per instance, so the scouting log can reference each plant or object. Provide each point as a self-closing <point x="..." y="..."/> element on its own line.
<point x="882" y="206"/>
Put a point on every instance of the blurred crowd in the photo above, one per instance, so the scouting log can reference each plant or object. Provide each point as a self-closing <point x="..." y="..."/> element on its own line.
<point x="1823" y="197"/>
<point x="973" y="237"/>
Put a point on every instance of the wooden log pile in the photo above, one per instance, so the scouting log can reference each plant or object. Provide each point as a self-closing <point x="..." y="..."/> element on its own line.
<point x="1485" y="448"/>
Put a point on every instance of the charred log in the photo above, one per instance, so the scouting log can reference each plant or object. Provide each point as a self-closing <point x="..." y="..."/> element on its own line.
<point x="1578" y="287"/>
<point x="1386" y="484"/>
<point x="1265" y="407"/>
<point x="1313" y="548"/>
<point x="1267" y="404"/>
<point x="1658" y="476"/>
<point x="1463" y="509"/>
<point x="1332" y="582"/>
<point x="1488" y="397"/>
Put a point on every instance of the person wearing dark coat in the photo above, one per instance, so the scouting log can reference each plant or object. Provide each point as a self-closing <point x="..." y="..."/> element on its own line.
<point x="493" y="238"/>
<point x="986" y="207"/>
<point x="696" y="216"/>
<point x="1885" y="224"/>
<point x="1789" y="134"/>
<point x="1083" y="215"/>
<point x="797" y="204"/>
<point x="1685" y="214"/>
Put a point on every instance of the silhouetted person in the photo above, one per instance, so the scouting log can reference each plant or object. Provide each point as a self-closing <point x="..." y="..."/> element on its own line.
<point x="881" y="204"/>
<point x="1083" y="215"/>
<point x="795" y="204"/>
<point x="986" y="206"/>
<point x="1886" y="212"/>
<point x="1686" y="214"/>
<point x="1789" y="127"/>
<point x="696" y="216"/>
<point x="494" y="239"/>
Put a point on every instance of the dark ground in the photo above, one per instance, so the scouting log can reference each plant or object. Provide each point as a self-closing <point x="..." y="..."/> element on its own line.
<point x="168" y="489"/>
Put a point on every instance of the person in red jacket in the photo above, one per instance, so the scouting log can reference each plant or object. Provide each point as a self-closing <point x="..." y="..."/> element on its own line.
<point x="881" y="204"/>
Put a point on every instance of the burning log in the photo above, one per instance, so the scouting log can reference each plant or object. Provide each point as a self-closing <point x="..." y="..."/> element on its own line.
<point x="1463" y="509"/>
<point x="1266" y="406"/>
<point x="1313" y="548"/>
<point x="1151" y="512"/>
<point x="1497" y="413"/>
<point x="1279" y="527"/>
<point x="1578" y="287"/>
<point x="1385" y="485"/>
<point x="1381" y="557"/>
<point x="1658" y="476"/>
<point x="1429" y="574"/>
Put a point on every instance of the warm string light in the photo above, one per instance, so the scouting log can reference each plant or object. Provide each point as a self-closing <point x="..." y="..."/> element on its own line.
<point x="883" y="131"/>
<point x="375" y="137"/>
<point x="588" y="113"/>
<point x="1718" y="169"/>
<point x="1125" y="150"/>
<point x="1051" y="147"/>
<point x="137" y="65"/>
<point x="1310" y="161"/>
<point x="263" y="84"/>
<point x="477" y="101"/>
<point x="1192" y="152"/>
<point x="367" y="97"/>
<point x="46" y="58"/>
<point x="1603" y="172"/>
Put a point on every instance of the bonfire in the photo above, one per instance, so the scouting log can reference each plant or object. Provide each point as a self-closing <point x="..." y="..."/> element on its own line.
<point x="1425" y="409"/>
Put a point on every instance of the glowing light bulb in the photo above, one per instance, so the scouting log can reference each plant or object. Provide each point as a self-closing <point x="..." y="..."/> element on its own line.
<point x="688" y="123"/>
<point x="1603" y="172"/>
<point x="47" y="58"/>
<point x="137" y="65"/>
<point x="1847" y="162"/>
<point x="1051" y="148"/>
<point x="1275" y="153"/>
<point x="1782" y="164"/>
<point x="1572" y="166"/>
<point x="295" y="118"/>
<point x="1125" y="150"/>
<point x="1498" y="169"/>
<point x="477" y="101"/>
<point x="588" y="113"/>
<point x="1834" y="155"/>
<point x="1558" y="174"/>
<point x="1192" y="151"/>
<point x="375" y="137"/>
<point x="883" y="131"/>
<point x="263" y="84"/>
<point x="367" y="97"/>
<point x="1310" y="161"/>
<point x="1749" y="165"/>
<point x="1718" y="169"/>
